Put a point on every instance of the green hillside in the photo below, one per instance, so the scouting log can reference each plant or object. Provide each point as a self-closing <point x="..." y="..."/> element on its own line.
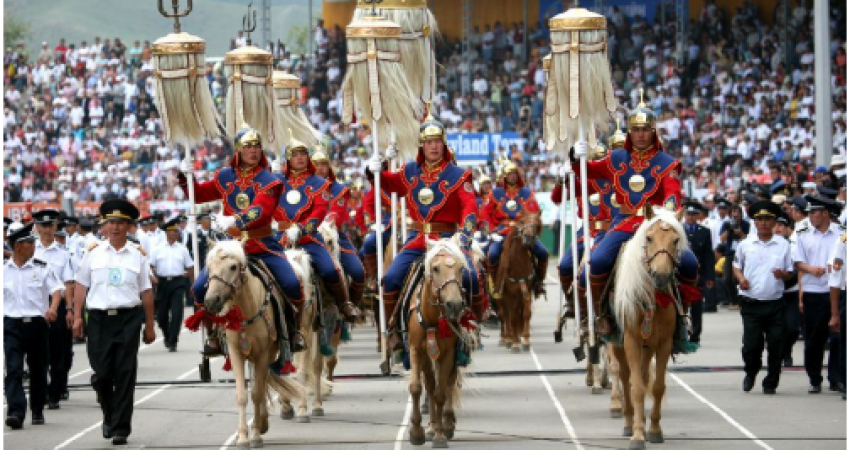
<point x="216" y="21"/>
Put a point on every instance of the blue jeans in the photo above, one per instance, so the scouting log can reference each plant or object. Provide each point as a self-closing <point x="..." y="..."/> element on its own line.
<point x="401" y="266"/>
<point x="278" y="266"/>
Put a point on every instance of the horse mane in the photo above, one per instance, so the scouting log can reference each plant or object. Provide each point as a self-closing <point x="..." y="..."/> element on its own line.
<point x="449" y="245"/>
<point x="634" y="288"/>
<point x="225" y="249"/>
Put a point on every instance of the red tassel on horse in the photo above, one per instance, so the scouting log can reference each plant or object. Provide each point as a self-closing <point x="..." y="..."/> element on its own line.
<point x="194" y="321"/>
<point x="663" y="299"/>
<point x="288" y="368"/>
<point x="690" y="294"/>
<point x="443" y="328"/>
<point x="233" y="319"/>
<point x="468" y="320"/>
<point x="227" y="366"/>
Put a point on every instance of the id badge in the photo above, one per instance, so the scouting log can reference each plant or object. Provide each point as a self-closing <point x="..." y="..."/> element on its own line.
<point x="116" y="277"/>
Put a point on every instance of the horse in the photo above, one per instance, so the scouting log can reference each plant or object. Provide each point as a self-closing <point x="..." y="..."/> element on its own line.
<point x="647" y="265"/>
<point x="515" y="282"/>
<point x="232" y="284"/>
<point x="330" y="234"/>
<point x="436" y="326"/>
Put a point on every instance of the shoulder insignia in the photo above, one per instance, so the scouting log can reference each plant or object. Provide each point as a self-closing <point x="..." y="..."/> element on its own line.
<point x="39" y="262"/>
<point x="92" y="246"/>
<point x="141" y="249"/>
<point x="803" y="230"/>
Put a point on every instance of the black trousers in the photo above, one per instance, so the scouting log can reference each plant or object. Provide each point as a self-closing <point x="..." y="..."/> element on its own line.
<point x="113" y="349"/>
<point x="696" y="320"/>
<point x="61" y="355"/>
<point x="836" y="365"/>
<point x="169" y="308"/>
<point x="711" y="296"/>
<point x="816" y="313"/>
<point x="764" y="322"/>
<point x="28" y="340"/>
<point x="792" y="321"/>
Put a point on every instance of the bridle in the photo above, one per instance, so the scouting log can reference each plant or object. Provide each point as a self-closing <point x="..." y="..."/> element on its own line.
<point x="234" y="286"/>
<point x="437" y="291"/>
<point x="647" y="259"/>
<point x="521" y="227"/>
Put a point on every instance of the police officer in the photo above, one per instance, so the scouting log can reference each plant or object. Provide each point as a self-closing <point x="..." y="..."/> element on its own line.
<point x="762" y="263"/>
<point x="47" y="249"/>
<point x="811" y="259"/>
<point x="173" y="267"/>
<point x="785" y="228"/>
<point x="27" y="284"/>
<point x="114" y="284"/>
<point x="7" y="249"/>
<point x="699" y="238"/>
<point x="838" y="307"/>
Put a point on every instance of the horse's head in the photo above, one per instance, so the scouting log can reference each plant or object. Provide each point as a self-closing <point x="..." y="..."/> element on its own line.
<point x="528" y="227"/>
<point x="444" y="264"/>
<point x="664" y="242"/>
<point x="226" y="265"/>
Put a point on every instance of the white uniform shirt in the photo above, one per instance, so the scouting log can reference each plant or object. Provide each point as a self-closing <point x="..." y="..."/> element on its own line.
<point x="27" y="289"/>
<point x="838" y="278"/>
<point x="714" y="225"/>
<point x="57" y="257"/>
<point x="814" y="248"/>
<point x="757" y="260"/>
<point x="171" y="260"/>
<point x="115" y="278"/>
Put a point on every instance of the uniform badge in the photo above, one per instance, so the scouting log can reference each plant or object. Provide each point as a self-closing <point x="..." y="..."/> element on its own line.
<point x="426" y="196"/>
<point x="468" y="187"/>
<point x="115" y="277"/>
<point x="512" y="205"/>
<point x="293" y="197"/>
<point x="637" y="183"/>
<point x="242" y="201"/>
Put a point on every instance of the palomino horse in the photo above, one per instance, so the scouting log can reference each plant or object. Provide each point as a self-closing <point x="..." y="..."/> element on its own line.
<point x="435" y="330"/>
<point x="646" y="265"/>
<point x="515" y="281"/>
<point x="233" y="285"/>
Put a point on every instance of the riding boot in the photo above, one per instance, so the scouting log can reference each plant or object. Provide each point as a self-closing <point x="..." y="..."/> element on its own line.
<point x="370" y="268"/>
<point x="493" y="271"/>
<point x="566" y="284"/>
<point x="603" y="323"/>
<point x="540" y="277"/>
<point x="296" y="337"/>
<point x="390" y="302"/>
<point x="348" y="310"/>
<point x="355" y="293"/>
<point x="212" y="347"/>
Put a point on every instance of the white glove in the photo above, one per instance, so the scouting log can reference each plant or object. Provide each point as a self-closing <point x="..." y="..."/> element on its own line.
<point x="477" y="235"/>
<point x="568" y="170"/>
<point x="496" y="237"/>
<point x="276" y="165"/>
<point x="293" y="233"/>
<point x="392" y="152"/>
<point x="580" y="149"/>
<point x="375" y="164"/>
<point x="223" y="223"/>
<point x="186" y="165"/>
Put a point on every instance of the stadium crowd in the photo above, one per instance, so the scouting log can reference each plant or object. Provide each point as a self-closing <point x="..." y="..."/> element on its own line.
<point x="80" y="122"/>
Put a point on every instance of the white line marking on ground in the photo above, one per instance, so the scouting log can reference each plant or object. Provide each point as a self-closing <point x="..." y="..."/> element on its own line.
<point x="137" y="403"/>
<point x="232" y="438"/>
<point x="561" y="412"/>
<point x="722" y="413"/>
<point x="553" y="279"/>
<point x="399" y="438"/>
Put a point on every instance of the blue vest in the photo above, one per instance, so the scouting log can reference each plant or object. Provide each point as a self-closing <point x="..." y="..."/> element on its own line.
<point x="228" y="184"/>
<point x="447" y="182"/>
<point x="512" y="206"/>
<point x="653" y="170"/>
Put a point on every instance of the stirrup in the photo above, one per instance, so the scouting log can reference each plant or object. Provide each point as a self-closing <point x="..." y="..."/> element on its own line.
<point x="212" y="350"/>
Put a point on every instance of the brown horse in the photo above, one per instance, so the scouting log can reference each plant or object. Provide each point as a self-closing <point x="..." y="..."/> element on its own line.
<point x="515" y="282"/>
<point x="433" y="353"/>
<point x="232" y="284"/>
<point x="646" y="265"/>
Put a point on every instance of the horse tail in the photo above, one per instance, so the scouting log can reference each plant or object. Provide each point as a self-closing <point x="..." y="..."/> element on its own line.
<point x="287" y="388"/>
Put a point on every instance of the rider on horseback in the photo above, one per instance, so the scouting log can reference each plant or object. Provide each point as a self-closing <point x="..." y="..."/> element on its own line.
<point x="642" y="175"/>
<point x="302" y="206"/>
<point x="507" y="201"/>
<point x="441" y="202"/>
<point x="603" y="207"/>
<point x="338" y="213"/>
<point x="249" y="193"/>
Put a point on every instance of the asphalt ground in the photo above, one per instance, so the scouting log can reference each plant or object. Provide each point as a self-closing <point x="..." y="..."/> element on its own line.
<point x="537" y="399"/>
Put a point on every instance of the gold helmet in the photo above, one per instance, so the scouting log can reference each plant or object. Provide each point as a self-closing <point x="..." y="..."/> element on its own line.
<point x="618" y="139"/>
<point x="319" y="155"/>
<point x="641" y="116"/>
<point x="247" y="136"/>
<point x="294" y="145"/>
<point x="484" y="179"/>
<point x="599" y="152"/>
<point x="509" y="167"/>
<point x="432" y="128"/>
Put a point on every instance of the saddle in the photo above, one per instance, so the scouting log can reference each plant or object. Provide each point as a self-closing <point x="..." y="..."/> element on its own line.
<point x="284" y="310"/>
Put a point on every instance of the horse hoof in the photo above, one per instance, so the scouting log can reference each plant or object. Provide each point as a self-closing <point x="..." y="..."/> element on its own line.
<point x="243" y="446"/>
<point x="606" y="385"/>
<point x="515" y="350"/>
<point x="429" y="436"/>
<point x="637" y="445"/>
<point x="417" y="440"/>
<point x="440" y="442"/>
<point x="318" y="412"/>
<point x="450" y="434"/>
<point x="303" y="419"/>
<point x="616" y="413"/>
<point x="655" y="438"/>
<point x="595" y="390"/>
<point x="287" y="415"/>
<point x="256" y="443"/>
<point x="627" y="431"/>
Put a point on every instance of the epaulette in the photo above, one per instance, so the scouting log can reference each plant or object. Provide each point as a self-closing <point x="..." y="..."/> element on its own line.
<point x="92" y="246"/>
<point x="803" y="230"/>
<point x="39" y="262"/>
<point x="141" y="249"/>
